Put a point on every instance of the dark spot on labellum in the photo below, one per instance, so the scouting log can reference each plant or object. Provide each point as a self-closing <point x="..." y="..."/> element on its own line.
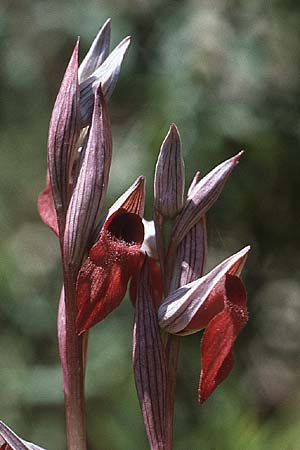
<point x="127" y="227"/>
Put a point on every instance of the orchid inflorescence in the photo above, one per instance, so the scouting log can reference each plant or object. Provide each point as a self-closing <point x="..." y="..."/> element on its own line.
<point x="101" y="253"/>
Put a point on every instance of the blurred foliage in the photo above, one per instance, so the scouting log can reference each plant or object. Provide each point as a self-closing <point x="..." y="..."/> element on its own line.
<point x="227" y="73"/>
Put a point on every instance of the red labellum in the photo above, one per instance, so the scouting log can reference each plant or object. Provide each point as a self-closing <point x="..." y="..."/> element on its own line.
<point x="112" y="261"/>
<point x="221" y="333"/>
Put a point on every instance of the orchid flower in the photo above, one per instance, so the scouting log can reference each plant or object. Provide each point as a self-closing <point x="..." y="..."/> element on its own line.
<point x="112" y="260"/>
<point x="216" y="302"/>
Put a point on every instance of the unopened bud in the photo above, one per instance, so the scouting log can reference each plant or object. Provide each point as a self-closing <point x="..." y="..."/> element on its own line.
<point x="97" y="53"/>
<point x="89" y="192"/>
<point x="106" y="75"/>
<point x="169" y="176"/>
<point x="63" y="135"/>
<point x="201" y="197"/>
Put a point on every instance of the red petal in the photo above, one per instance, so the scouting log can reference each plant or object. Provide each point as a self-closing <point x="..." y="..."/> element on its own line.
<point x="220" y="335"/>
<point x="226" y="368"/>
<point x="46" y="208"/>
<point x="103" y="278"/>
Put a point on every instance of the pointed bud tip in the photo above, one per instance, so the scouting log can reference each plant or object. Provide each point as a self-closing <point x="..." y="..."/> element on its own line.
<point x="140" y="183"/>
<point x="74" y="57"/>
<point x="172" y="135"/>
<point x="174" y="129"/>
<point x="141" y="180"/>
<point x="73" y="62"/>
<point x="240" y="259"/>
<point x="126" y="41"/>
<point x="106" y="28"/>
<point x="237" y="157"/>
<point x="245" y="250"/>
<point x="124" y="45"/>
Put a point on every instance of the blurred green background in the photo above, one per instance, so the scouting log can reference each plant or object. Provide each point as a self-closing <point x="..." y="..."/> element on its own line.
<point x="227" y="73"/>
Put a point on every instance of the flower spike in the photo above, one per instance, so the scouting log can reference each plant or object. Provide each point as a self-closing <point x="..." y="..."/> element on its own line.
<point x="79" y="157"/>
<point x="100" y="257"/>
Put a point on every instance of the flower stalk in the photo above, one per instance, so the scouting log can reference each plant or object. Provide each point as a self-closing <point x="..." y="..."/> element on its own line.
<point x="71" y="352"/>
